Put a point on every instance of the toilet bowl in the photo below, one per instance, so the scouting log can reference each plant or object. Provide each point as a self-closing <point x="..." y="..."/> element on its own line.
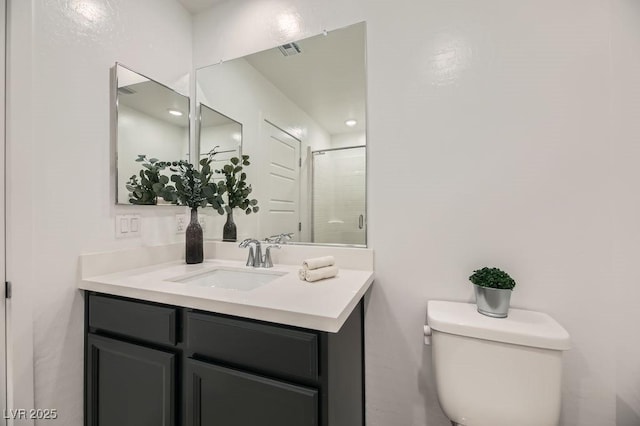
<point x="496" y="372"/>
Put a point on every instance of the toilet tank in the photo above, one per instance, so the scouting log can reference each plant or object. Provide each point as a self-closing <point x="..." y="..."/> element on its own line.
<point x="493" y="372"/>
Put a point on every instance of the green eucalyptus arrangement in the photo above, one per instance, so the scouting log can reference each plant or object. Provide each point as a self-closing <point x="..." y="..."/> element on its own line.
<point x="145" y="190"/>
<point x="192" y="187"/>
<point x="492" y="278"/>
<point x="236" y="187"/>
<point x="195" y="187"/>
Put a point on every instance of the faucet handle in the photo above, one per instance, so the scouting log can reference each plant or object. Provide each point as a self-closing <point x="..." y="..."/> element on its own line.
<point x="285" y="237"/>
<point x="280" y="238"/>
<point x="268" y="263"/>
<point x="254" y="258"/>
<point x="245" y="243"/>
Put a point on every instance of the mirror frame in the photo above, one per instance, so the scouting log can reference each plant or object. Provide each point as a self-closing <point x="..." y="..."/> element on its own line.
<point x="114" y="130"/>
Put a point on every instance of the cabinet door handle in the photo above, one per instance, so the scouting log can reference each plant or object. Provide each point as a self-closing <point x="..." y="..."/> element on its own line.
<point x="361" y="222"/>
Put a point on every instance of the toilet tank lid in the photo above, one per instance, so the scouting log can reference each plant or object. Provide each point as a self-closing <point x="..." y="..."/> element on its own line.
<point x="521" y="327"/>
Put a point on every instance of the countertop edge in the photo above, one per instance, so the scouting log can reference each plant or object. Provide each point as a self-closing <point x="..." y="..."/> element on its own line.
<point x="297" y="319"/>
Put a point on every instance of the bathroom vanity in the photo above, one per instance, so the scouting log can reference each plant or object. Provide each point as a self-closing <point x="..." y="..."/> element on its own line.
<point x="277" y="355"/>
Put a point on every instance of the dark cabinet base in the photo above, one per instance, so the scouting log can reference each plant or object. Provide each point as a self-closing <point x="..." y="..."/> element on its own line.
<point x="218" y="370"/>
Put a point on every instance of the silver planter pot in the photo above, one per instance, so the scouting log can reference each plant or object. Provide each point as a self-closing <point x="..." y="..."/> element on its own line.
<point x="493" y="302"/>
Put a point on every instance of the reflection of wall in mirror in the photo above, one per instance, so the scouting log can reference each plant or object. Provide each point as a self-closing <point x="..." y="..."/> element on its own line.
<point x="140" y="133"/>
<point x="344" y="140"/>
<point x="236" y="89"/>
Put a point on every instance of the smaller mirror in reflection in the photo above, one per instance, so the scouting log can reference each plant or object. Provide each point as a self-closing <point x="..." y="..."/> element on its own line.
<point x="152" y="121"/>
<point x="220" y="133"/>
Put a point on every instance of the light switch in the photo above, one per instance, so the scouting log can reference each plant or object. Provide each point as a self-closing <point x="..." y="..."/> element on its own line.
<point x="135" y="224"/>
<point x="124" y="225"/>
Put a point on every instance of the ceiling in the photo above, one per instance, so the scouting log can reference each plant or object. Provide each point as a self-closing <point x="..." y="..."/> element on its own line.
<point x="154" y="99"/>
<point x="327" y="80"/>
<point x="196" y="6"/>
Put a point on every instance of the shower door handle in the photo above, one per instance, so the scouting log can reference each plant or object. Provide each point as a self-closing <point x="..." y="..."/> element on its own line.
<point x="361" y="222"/>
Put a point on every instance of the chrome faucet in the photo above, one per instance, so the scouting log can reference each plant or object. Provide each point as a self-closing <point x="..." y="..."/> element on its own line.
<point x="255" y="257"/>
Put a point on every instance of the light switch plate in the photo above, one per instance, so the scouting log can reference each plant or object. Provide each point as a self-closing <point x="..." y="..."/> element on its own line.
<point x="181" y="223"/>
<point x="128" y="226"/>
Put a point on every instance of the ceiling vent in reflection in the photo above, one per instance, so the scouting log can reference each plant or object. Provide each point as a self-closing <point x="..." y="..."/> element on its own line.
<point x="126" y="90"/>
<point x="290" y="49"/>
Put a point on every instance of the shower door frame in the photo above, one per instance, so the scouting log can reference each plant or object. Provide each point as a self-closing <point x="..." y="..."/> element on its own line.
<point x="313" y="188"/>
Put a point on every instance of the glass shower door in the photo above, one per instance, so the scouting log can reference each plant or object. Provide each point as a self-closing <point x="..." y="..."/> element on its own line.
<point x="339" y="196"/>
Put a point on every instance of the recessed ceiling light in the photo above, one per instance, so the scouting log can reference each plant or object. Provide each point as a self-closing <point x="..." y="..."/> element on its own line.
<point x="175" y="112"/>
<point x="351" y="122"/>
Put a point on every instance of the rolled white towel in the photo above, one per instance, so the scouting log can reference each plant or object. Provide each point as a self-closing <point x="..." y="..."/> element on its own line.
<point x="312" y="275"/>
<point x="302" y="274"/>
<point x="318" y="262"/>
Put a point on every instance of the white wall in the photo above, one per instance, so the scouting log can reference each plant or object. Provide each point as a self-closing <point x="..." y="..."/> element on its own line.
<point x="61" y="192"/>
<point x="239" y="91"/>
<point x="342" y="140"/>
<point x="499" y="134"/>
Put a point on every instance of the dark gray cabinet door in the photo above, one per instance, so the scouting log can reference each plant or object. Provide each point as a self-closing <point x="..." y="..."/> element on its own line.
<point x="129" y="385"/>
<point x="218" y="396"/>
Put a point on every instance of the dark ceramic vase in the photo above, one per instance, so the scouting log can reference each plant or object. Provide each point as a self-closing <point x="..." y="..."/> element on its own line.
<point x="194" y="242"/>
<point x="229" y="232"/>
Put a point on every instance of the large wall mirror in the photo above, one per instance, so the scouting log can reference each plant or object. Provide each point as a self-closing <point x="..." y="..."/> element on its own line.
<point x="151" y="120"/>
<point x="303" y="112"/>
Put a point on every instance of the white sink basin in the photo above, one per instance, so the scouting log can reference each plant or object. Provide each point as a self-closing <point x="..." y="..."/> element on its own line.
<point x="226" y="277"/>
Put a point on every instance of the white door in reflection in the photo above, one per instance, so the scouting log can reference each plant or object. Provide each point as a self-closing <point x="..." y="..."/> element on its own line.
<point x="283" y="207"/>
<point x="339" y="196"/>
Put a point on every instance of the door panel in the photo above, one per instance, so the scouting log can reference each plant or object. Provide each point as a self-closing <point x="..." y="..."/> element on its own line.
<point x="283" y="209"/>
<point x="129" y="385"/>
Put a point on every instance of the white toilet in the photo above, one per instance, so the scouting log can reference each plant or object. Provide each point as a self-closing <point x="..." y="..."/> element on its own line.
<point x="496" y="372"/>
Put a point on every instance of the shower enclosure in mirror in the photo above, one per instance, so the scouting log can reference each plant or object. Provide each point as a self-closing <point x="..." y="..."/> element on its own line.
<point x="304" y="97"/>
<point x="338" y="195"/>
<point x="150" y="119"/>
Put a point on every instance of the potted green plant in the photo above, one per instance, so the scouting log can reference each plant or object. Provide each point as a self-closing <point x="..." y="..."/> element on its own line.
<point x="237" y="189"/>
<point x="493" y="289"/>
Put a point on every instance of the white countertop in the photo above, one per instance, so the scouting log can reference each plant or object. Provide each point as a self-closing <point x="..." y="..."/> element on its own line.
<point x="323" y="305"/>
